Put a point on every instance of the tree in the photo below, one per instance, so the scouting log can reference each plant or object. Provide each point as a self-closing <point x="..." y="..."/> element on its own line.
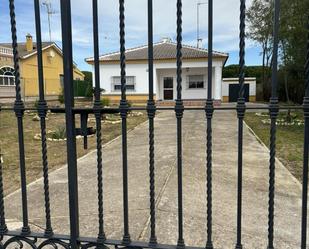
<point x="292" y="42"/>
<point x="259" y="17"/>
<point x="88" y="76"/>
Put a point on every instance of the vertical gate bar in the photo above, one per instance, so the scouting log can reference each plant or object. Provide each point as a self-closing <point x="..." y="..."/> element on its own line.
<point x="42" y="111"/>
<point x="124" y="112"/>
<point x="3" y="226"/>
<point x="179" y="109"/>
<point x="274" y="110"/>
<point x="19" y="112"/>
<point x="241" y="109"/>
<point x="97" y="112"/>
<point x="209" y="109"/>
<point x="66" y="26"/>
<point x="151" y="110"/>
<point x="306" y="149"/>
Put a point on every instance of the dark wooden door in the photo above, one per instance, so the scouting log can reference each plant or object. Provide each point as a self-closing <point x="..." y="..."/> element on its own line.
<point x="234" y="92"/>
<point x="168" y="88"/>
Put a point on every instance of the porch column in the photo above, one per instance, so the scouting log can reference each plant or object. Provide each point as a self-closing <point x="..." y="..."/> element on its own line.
<point x="218" y="83"/>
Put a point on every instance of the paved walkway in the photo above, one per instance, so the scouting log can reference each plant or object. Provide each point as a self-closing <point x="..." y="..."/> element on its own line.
<point x="255" y="188"/>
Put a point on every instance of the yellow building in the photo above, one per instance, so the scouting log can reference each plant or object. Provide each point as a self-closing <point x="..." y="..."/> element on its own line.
<point x="52" y="64"/>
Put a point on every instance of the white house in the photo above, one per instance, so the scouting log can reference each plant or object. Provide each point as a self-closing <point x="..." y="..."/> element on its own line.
<point x="195" y="67"/>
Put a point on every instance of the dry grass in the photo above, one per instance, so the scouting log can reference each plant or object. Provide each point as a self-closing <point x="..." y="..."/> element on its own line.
<point x="290" y="141"/>
<point x="56" y="150"/>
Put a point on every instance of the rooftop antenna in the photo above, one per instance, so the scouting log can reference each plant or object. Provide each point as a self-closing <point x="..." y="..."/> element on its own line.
<point x="198" y="39"/>
<point x="50" y="12"/>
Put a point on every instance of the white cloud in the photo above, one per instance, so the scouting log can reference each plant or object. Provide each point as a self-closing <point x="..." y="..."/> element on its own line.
<point x="226" y="20"/>
<point x="226" y="23"/>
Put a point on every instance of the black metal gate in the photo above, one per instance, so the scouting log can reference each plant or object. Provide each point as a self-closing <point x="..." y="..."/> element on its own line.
<point x="73" y="240"/>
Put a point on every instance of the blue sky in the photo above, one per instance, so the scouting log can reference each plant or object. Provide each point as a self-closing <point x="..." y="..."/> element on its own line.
<point x="226" y="26"/>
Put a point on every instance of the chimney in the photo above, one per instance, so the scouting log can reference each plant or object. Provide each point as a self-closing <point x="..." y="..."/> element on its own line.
<point x="29" y="43"/>
<point x="199" y="43"/>
<point x="166" y="39"/>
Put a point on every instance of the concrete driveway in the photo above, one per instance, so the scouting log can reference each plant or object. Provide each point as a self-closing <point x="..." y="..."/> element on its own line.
<point x="255" y="188"/>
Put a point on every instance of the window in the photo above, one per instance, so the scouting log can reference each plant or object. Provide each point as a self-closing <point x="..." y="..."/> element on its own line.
<point x="130" y="83"/>
<point x="7" y="77"/>
<point x="61" y="80"/>
<point x="196" y="81"/>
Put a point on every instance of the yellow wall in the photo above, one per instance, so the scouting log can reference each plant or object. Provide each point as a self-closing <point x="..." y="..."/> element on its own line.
<point x="53" y="68"/>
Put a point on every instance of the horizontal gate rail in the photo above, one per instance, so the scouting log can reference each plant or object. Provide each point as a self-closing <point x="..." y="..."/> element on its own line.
<point x="74" y="239"/>
<point x="108" y="110"/>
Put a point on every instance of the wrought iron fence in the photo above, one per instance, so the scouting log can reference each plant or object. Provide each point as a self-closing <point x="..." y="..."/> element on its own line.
<point x="73" y="239"/>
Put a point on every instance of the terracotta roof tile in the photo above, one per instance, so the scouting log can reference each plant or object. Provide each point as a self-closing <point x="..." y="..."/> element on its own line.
<point x="22" y="47"/>
<point x="161" y="51"/>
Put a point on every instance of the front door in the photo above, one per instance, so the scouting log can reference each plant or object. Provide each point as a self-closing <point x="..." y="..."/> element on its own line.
<point x="168" y="91"/>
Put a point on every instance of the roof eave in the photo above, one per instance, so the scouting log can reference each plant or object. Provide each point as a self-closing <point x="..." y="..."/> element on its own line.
<point x="226" y="56"/>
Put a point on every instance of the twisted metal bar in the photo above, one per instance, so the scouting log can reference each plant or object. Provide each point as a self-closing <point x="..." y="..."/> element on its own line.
<point x="242" y="28"/>
<point x="123" y="112"/>
<point x="19" y="112"/>
<point x="42" y="112"/>
<point x="101" y="235"/>
<point x="153" y="238"/>
<point x="122" y="49"/>
<point x="306" y="149"/>
<point x="209" y="115"/>
<point x="271" y="202"/>
<point x="151" y="110"/>
<point x="15" y="52"/>
<point x="209" y="110"/>
<point x="274" y="110"/>
<point x="179" y="109"/>
<point x="241" y="109"/>
<point x="48" y="229"/>
<point x="179" y="50"/>
<point x="3" y="227"/>
<point x="97" y="106"/>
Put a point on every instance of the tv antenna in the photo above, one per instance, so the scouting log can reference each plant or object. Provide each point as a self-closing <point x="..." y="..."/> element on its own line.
<point x="50" y="12"/>
<point x="198" y="38"/>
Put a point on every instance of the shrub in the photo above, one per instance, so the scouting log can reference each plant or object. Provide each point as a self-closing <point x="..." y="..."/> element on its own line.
<point x="89" y="91"/>
<point x="105" y="101"/>
<point x="130" y="104"/>
<point x="59" y="133"/>
<point x="61" y="96"/>
<point x="36" y="104"/>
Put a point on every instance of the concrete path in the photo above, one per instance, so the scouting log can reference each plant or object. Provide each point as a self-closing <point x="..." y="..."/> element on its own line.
<point x="255" y="188"/>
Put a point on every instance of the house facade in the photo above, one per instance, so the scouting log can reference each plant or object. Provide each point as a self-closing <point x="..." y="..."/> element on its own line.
<point x="52" y="66"/>
<point x="7" y="80"/>
<point x="194" y="73"/>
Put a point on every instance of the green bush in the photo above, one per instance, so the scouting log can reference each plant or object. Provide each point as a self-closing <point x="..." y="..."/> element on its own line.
<point x="36" y="104"/>
<point x="105" y="101"/>
<point x="82" y="88"/>
<point x="59" y="133"/>
<point x="61" y="96"/>
<point x="130" y="104"/>
<point x="89" y="91"/>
